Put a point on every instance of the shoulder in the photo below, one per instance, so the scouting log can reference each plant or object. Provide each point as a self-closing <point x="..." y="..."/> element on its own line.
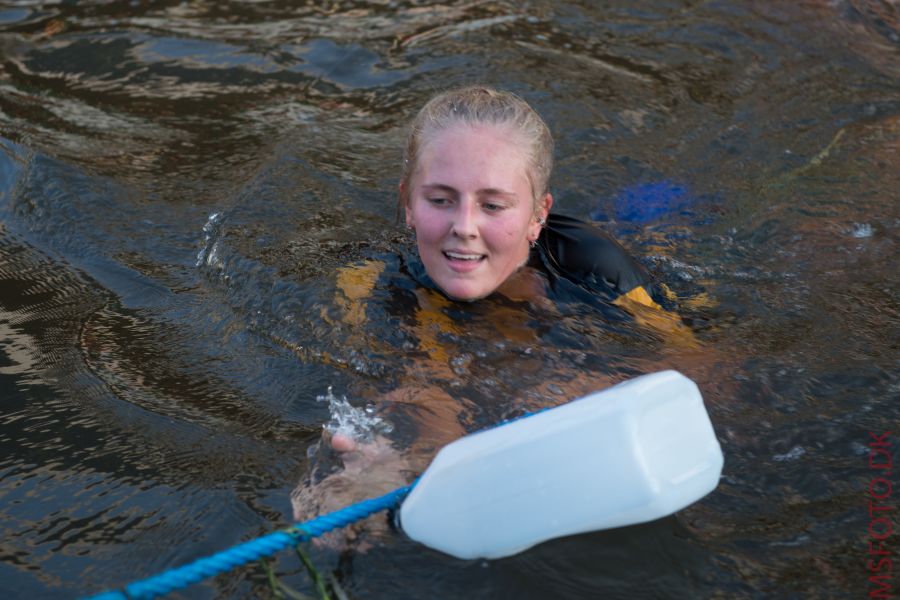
<point x="589" y="257"/>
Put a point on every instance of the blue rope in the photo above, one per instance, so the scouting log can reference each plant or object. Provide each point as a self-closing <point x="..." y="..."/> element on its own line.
<point x="267" y="545"/>
<point x="253" y="550"/>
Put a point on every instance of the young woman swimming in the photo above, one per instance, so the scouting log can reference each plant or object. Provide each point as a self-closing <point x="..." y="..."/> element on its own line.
<point x="474" y="191"/>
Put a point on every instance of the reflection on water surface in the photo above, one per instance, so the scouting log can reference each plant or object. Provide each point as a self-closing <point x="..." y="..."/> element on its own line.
<point x="159" y="378"/>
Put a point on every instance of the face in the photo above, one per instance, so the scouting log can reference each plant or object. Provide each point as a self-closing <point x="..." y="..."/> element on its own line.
<point x="472" y="209"/>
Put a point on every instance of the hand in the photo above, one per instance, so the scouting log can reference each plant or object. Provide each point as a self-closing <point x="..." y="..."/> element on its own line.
<point x="373" y="468"/>
<point x="370" y="469"/>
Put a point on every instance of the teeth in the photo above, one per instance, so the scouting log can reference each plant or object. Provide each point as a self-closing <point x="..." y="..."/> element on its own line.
<point x="456" y="256"/>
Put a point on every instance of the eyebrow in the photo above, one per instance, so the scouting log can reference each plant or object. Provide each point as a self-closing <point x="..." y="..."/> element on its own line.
<point x="482" y="192"/>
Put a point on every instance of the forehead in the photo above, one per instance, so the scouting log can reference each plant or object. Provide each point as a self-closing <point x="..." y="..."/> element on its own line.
<point x="472" y="133"/>
<point x="492" y="149"/>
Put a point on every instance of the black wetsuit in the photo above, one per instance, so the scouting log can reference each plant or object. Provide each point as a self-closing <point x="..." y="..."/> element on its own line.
<point x="580" y="253"/>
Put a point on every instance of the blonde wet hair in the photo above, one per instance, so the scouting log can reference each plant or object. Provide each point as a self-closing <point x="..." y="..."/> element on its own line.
<point x="481" y="105"/>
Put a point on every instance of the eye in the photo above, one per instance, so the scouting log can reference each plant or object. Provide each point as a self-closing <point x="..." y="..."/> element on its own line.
<point x="492" y="206"/>
<point x="439" y="201"/>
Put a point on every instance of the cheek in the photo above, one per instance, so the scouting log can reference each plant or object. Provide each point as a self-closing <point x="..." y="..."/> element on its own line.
<point x="514" y="230"/>
<point x="428" y="224"/>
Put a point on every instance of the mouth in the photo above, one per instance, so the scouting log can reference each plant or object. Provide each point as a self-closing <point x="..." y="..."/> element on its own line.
<point x="463" y="262"/>
<point x="468" y="257"/>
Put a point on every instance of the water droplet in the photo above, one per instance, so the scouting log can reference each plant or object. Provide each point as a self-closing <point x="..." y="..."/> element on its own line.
<point x="793" y="454"/>
<point x="861" y="230"/>
<point x="859" y="449"/>
<point x="312" y="450"/>
<point x="460" y="363"/>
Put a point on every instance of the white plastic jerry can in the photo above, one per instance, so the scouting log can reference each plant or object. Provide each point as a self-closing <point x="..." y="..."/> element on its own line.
<point x="635" y="452"/>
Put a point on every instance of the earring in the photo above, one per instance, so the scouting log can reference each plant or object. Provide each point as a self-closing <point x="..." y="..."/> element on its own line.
<point x="542" y="221"/>
<point x="533" y="243"/>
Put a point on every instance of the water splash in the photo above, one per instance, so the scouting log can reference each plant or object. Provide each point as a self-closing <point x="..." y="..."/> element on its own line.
<point x="360" y="424"/>
<point x="208" y="254"/>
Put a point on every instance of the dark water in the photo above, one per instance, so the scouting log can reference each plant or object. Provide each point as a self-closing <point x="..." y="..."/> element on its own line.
<point x="160" y="366"/>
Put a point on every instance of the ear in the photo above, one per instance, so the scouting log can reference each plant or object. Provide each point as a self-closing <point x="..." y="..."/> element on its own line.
<point x="542" y="209"/>
<point x="403" y="204"/>
<point x="544" y="206"/>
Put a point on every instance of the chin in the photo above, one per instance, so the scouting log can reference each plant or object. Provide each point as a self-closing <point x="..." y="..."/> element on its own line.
<point x="463" y="293"/>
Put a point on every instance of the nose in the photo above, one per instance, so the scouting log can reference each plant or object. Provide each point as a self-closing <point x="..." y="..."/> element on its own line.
<point x="465" y="221"/>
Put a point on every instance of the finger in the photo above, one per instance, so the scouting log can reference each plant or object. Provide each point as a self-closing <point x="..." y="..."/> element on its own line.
<point x="342" y="443"/>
